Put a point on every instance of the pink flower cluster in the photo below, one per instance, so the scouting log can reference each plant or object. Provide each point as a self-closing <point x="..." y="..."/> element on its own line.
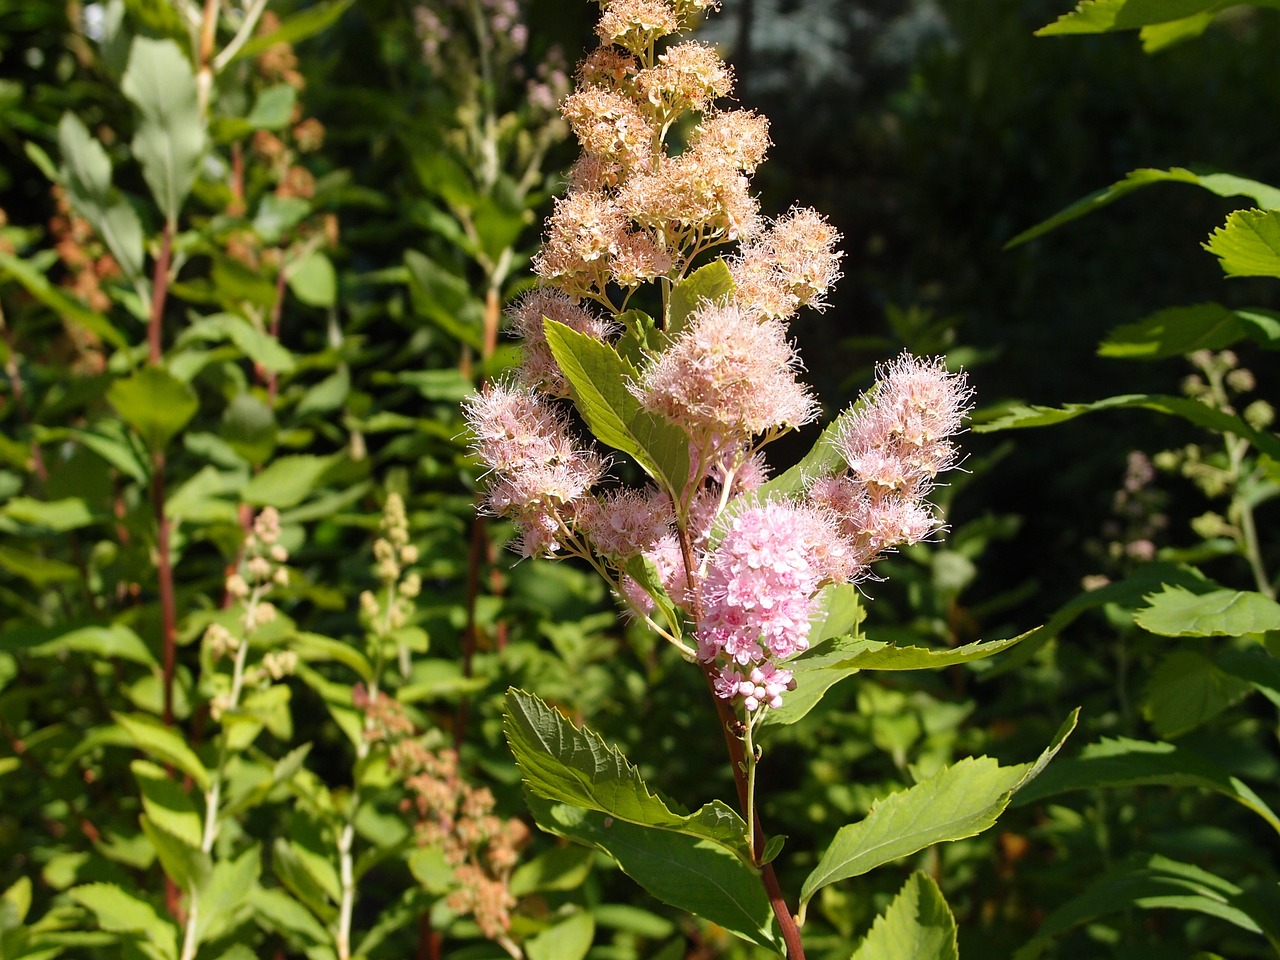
<point x="539" y="472"/>
<point x="895" y="445"/>
<point x="745" y="567"/>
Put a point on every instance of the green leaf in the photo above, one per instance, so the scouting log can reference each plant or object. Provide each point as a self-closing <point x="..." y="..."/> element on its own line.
<point x="249" y="428"/>
<point x="1223" y="184"/>
<point x="1160" y="36"/>
<point x="58" y="516"/>
<point x="312" y="280"/>
<point x="170" y="139"/>
<point x="276" y="216"/>
<point x="38" y="285"/>
<point x="1248" y="244"/>
<point x="570" y="939"/>
<point x="1176" y="612"/>
<point x="186" y="865"/>
<point x="598" y="377"/>
<point x="1127" y="593"/>
<point x="329" y="394"/>
<point x="111" y="641"/>
<point x="560" y="868"/>
<point x="166" y="744"/>
<point x="1181" y="330"/>
<point x="36" y="570"/>
<point x="312" y="647"/>
<point x="226" y="895"/>
<point x="308" y="22"/>
<point x="1158" y="883"/>
<point x="307" y="876"/>
<point x="1019" y="417"/>
<point x="166" y="804"/>
<point x="286" y="482"/>
<point x="957" y="802"/>
<point x="917" y="926"/>
<point x="1188" y="689"/>
<point x="445" y="298"/>
<point x="258" y="345"/>
<point x="712" y="283"/>
<point x="695" y="875"/>
<point x="877" y="655"/>
<point x="1134" y="763"/>
<point x="1104" y="16"/>
<point x="567" y="764"/>
<point x="86" y="173"/>
<point x="155" y="403"/>
<point x="279" y="911"/>
<point x="16" y="902"/>
<point x="122" y="912"/>
<point x="273" y="108"/>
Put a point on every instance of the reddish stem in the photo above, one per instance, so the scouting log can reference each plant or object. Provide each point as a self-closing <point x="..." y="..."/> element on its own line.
<point x="159" y="291"/>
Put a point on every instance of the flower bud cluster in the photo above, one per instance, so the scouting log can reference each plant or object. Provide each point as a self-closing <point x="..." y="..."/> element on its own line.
<point x="261" y="570"/>
<point x="393" y="554"/>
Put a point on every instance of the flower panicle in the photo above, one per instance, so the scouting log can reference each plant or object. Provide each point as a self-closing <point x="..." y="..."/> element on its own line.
<point x="744" y="569"/>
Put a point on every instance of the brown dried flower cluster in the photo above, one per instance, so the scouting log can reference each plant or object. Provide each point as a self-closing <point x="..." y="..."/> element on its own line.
<point x="450" y="814"/>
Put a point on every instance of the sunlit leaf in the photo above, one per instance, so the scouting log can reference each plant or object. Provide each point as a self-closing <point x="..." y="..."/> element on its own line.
<point x="695" y="875"/>
<point x="1248" y="244"/>
<point x="1018" y="417"/>
<point x="1180" y="330"/>
<point x="155" y="403"/>
<point x="286" y="481"/>
<point x="959" y="801"/>
<point x="170" y="139"/>
<point x="917" y="926"/>
<point x="568" y="764"/>
<point x="711" y="283"/>
<point x="1176" y="612"/>
<point x="86" y="173"/>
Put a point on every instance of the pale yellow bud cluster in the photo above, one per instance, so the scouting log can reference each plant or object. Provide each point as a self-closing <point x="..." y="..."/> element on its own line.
<point x="635" y="211"/>
<point x="391" y="608"/>
<point x="261" y="570"/>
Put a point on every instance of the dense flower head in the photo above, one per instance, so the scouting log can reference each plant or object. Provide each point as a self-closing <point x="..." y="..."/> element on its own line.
<point x="692" y="198"/>
<point x="728" y="374"/>
<point x="539" y="368"/>
<point x="688" y="76"/>
<point x="609" y="124"/>
<point x="740" y="137"/>
<point x="900" y="441"/>
<point x="636" y="24"/>
<point x="539" y="470"/>
<point x="791" y="264"/>
<point x="625" y="523"/>
<point x="759" y="589"/>
<point x="607" y="66"/>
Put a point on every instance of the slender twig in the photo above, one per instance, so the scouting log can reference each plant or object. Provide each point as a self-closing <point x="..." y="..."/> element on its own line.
<point x="242" y="36"/>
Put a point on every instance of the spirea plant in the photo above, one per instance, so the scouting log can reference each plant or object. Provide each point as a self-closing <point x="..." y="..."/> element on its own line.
<point x="660" y="324"/>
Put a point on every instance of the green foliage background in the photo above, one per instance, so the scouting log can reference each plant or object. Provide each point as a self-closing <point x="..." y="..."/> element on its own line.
<point x="931" y="132"/>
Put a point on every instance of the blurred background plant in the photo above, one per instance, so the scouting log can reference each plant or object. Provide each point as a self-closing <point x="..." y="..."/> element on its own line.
<point x="326" y="339"/>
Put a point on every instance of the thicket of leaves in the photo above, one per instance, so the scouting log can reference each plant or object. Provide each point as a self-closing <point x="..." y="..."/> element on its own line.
<point x="335" y="221"/>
